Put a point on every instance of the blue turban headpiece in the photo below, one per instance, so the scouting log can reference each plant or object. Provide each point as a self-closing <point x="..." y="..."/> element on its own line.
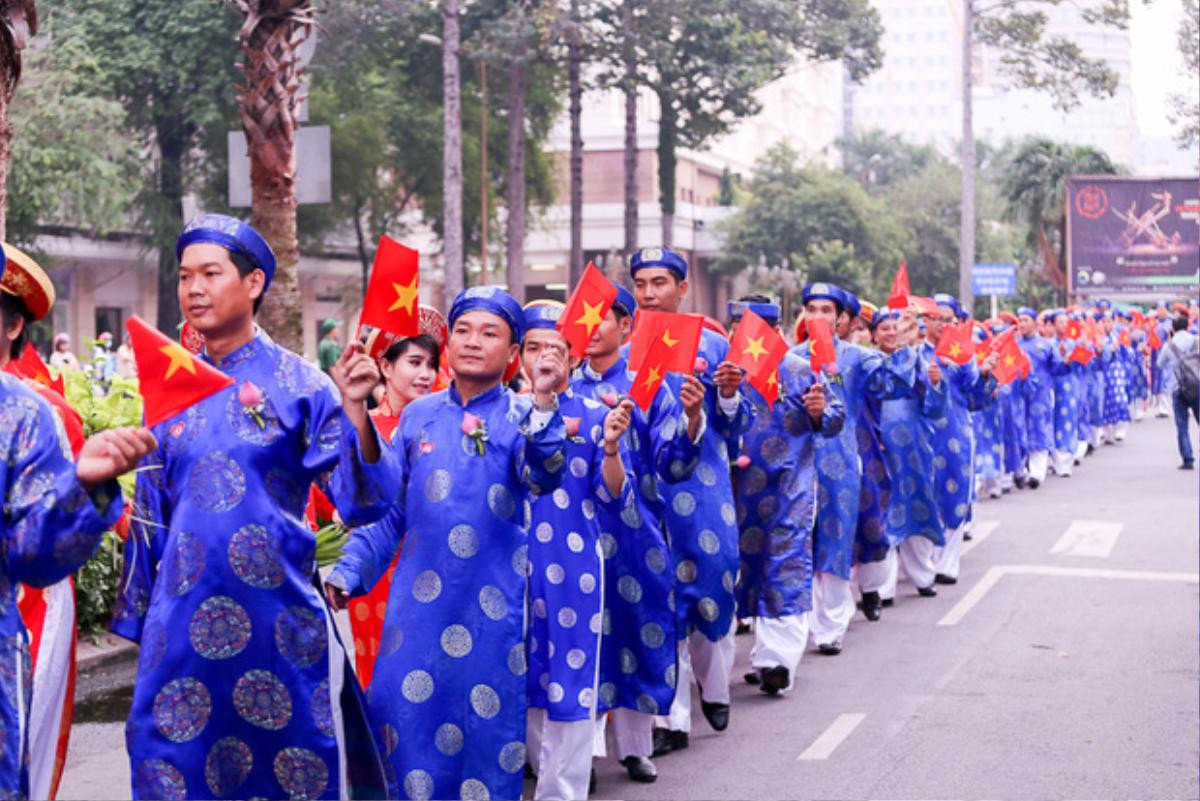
<point x="493" y="300"/>
<point x="658" y="257"/>
<point x="625" y="301"/>
<point x="767" y="311"/>
<point x="542" y="314"/>
<point x="883" y="315"/>
<point x="1025" y="311"/>
<point x="233" y="235"/>
<point x="824" y="291"/>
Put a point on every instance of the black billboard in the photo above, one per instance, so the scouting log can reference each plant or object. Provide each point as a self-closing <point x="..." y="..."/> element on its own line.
<point x="1133" y="235"/>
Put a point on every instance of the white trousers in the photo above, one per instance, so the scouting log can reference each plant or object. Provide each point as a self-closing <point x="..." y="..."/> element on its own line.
<point x="833" y="607"/>
<point x="1038" y="462"/>
<point x="710" y="663"/>
<point x="877" y="576"/>
<point x="1063" y="462"/>
<point x="1081" y="450"/>
<point x="947" y="560"/>
<point x="1139" y="410"/>
<point x="1120" y="429"/>
<point x="916" y="557"/>
<point x="633" y="734"/>
<point x="780" y="642"/>
<point x="1162" y="405"/>
<point x="561" y="753"/>
<point x="1006" y="482"/>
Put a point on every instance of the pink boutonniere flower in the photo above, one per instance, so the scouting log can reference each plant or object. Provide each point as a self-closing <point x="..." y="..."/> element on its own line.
<point x="251" y="398"/>
<point x="475" y="428"/>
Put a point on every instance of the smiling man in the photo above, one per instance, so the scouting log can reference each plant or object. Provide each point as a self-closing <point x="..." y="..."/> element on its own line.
<point x="242" y="688"/>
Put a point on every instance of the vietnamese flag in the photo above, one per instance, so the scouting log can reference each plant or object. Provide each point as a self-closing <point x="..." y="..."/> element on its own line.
<point x="391" y="301"/>
<point x="1081" y="354"/>
<point x="1126" y="337"/>
<point x="821" y="349"/>
<point x="170" y="378"/>
<point x="650" y="377"/>
<point x="585" y="309"/>
<point x="1009" y="356"/>
<point x="678" y="333"/>
<point x="1074" y="329"/>
<point x="956" y="343"/>
<point x="758" y="349"/>
<point x="32" y="367"/>
<point x="1155" y="340"/>
<point x="900" y="294"/>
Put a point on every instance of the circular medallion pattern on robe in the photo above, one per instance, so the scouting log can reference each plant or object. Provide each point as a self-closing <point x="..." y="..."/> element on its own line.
<point x="631" y="517"/>
<point x="774" y="451"/>
<point x="728" y="514"/>
<point x="709" y="610"/>
<point x="500" y="501"/>
<point x="463" y="541"/>
<point x="181" y="709"/>
<point x="832" y="465"/>
<point x="485" y="701"/>
<point x="706" y="475"/>
<point x="392" y="639"/>
<point x="301" y="773"/>
<point x="300" y="636"/>
<point x="157" y="778"/>
<point x="520" y="560"/>
<point x="554" y="691"/>
<point x="456" y="640"/>
<point x="576" y="658"/>
<point x="18" y="417"/>
<point x="220" y="628"/>
<point x="579" y="468"/>
<point x="297" y="376"/>
<point x="575" y="542"/>
<point x="322" y="709"/>
<point x="437" y="486"/>
<point x="555" y="574"/>
<point x="684" y="503"/>
<point x="653" y="635"/>
<point x="473" y="790"/>
<point x="686" y="572"/>
<point x="512" y="757"/>
<point x="627" y="661"/>
<point x="709" y="542"/>
<point x="184" y="564"/>
<point x="254" y="557"/>
<point x="492" y="602"/>
<point x="629" y="589"/>
<point x="185" y="429"/>
<point x="417" y="686"/>
<point x="516" y="660"/>
<point x="262" y="699"/>
<point x="427" y="586"/>
<point x="544" y="532"/>
<point x="154" y="646"/>
<point x="418" y="785"/>
<point x="608" y="693"/>
<point x="227" y="765"/>
<point x="587" y="583"/>
<point x="656" y="560"/>
<point x="448" y="738"/>
<point x="567" y="618"/>
<point x="217" y="483"/>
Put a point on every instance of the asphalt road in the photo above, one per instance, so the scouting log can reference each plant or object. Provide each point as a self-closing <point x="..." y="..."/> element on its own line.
<point x="1065" y="664"/>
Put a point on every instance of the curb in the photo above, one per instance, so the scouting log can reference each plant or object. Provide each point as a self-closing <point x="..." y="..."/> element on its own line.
<point x="104" y="667"/>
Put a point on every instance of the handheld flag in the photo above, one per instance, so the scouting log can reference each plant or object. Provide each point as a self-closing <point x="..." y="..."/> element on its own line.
<point x="1008" y="352"/>
<point x="31" y="366"/>
<point x="758" y="349"/>
<point x="1126" y="337"/>
<point x="770" y="390"/>
<point x="648" y="379"/>
<point x="1074" y="329"/>
<point x="170" y="378"/>
<point x="1081" y="354"/>
<point x="391" y="301"/>
<point x="585" y="309"/>
<point x="1154" y="339"/>
<point x="821" y="349"/>
<point x="900" y="294"/>
<point x="679" y="333"/>
<point x="956" y="343"/>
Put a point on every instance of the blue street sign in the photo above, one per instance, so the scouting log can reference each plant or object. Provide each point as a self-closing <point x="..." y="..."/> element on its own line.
<point x="994" y="279"/>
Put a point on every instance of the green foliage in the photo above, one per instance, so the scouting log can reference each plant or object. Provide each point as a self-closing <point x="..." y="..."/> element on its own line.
<point x="96" y="586"/>
<point x="1185" y="108"/>
<point x="72" y="162"/>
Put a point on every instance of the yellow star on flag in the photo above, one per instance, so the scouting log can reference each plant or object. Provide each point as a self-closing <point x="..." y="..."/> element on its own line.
<point x="772" y="382"/>
<point x="179" y="357"/>
<point x="1009" y="361"/>
<point x="406" y="296"/>
<point x="955" y="349"/>
<point x="590" y="317"/>
<point x="666" y="338"/>
<point x="653" y="377"/>
<point x="754" y="347"/>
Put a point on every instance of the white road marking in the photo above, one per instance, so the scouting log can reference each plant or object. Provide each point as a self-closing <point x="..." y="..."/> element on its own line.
<point x="981" y="531"/>
<point x="832" y="737"/>
<point x="994" y="574"/>
<point x="1088" y="538"/>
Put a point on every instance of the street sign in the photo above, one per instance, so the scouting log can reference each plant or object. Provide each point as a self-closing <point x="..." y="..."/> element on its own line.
<point x="314" y="184"/>
<point x="994" y="279"/>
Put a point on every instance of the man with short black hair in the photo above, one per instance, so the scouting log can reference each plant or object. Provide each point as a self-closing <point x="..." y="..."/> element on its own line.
<point x="1179" y="360"/>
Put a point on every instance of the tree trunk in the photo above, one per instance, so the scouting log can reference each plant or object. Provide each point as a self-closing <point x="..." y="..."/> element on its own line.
<point x="6" y="137"/>
<point x="667" y="121"/>
<point x="515" y="191"/>
<point x="575" y="92"/>
<point x="452" y="170"/>
<point x="966" y="248"/>
<point x="631" y="155"/>
<point x="171" y="145"/>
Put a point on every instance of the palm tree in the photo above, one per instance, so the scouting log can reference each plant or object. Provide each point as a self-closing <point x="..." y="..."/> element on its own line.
<point x="1034" y="189"/>
<point x="270" y="39"/>
<point x="18" y="22"/>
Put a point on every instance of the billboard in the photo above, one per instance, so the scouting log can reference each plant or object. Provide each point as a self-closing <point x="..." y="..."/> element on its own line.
<point x="1133" y="235"/>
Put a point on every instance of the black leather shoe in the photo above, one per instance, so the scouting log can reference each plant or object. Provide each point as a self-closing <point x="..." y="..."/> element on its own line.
<point x="927" y="592"/>
<point x="967" y="536"/>
<point x="717" y="715"/>
<point x="640" y="769"/>
<point x="871" y="604"/>
<point x="743" y="627"/>
<point x="530" y="773"/>
<point x="942" y="578"/>
<point x="888" y="603"/>
<point x="775" y="679"/>
<point x="752" y="678"/>
<point x="1187" y="466"/>
<point x="1019" y="481"/>
<point x="592" y="782"/>
<point x="830" y="649"/>
<point x="666" y="741"/>
<point x="1034" y="483"/>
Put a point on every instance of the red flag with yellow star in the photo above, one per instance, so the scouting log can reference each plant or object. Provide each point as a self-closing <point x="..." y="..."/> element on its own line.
<point x="585" y="309"/>
<point x="678" y="333"/>
<point x="758" y="349"/>
<point x="822" y="351"/>
<point x="1010" y="358"/>
<point x="33" y="368"/>
<point x="170" y="378"/>
<point x="900" y="294"/>
<point x="391" y="301"/>
<point x="956" y="343"/>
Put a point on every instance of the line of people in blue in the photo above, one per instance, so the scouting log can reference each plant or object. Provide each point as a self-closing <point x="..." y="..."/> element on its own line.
<point x="566" y="564"/>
